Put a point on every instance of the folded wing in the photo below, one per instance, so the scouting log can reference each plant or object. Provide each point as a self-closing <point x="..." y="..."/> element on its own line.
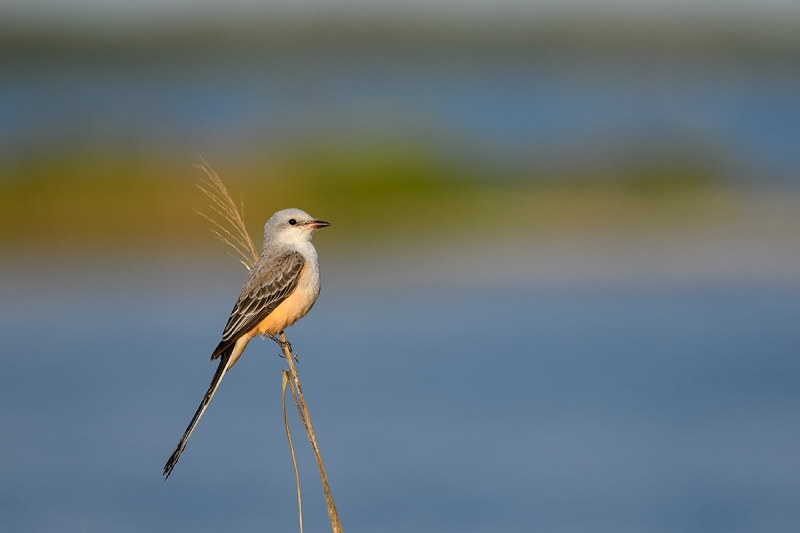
<point x="268" y="286"/>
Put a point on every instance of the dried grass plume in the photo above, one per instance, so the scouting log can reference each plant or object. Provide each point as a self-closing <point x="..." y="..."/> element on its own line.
<point x="235" y="235"/>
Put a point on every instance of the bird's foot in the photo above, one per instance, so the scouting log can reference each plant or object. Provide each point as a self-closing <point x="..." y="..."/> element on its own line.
<point x="282" y="344"/>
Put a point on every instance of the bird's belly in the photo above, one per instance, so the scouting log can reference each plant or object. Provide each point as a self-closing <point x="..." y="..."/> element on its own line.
<point x="288" y="312"/>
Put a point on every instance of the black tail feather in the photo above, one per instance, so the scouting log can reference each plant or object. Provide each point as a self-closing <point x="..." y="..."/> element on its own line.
<point x="218" y="375"/>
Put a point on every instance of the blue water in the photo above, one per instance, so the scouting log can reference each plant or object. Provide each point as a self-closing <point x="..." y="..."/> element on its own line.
<point x="740" y="115"/>
<point x="525" y="408"/>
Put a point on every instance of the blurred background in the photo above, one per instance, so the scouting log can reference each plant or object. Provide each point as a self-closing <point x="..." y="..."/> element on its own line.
<point x="561" y="289"/>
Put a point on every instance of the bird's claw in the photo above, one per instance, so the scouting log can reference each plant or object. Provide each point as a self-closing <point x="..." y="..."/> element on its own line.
<point x="283" y="344"/>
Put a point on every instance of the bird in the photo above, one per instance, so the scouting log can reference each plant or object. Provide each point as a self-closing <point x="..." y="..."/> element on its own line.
<point x="281" y="288"/>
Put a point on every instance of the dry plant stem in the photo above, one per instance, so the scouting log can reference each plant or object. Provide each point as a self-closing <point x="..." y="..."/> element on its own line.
<point x="333" y="516"/>
<point x="224" y="206"/>
<point x="285" y="378"/>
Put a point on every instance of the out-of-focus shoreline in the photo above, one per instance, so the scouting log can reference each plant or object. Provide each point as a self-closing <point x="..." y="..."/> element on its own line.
<point x="401" y="233"/>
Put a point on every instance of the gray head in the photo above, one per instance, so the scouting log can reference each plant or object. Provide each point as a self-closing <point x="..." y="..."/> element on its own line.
<point x="291" y="226"/>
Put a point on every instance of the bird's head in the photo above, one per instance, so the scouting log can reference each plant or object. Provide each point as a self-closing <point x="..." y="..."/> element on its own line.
<point x="291" y="225"/>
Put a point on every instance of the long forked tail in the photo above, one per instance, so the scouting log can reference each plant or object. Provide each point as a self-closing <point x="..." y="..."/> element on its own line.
<point x="218" y="375"/>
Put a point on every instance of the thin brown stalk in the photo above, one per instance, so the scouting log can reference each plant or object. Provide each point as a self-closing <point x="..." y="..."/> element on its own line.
<point x="224" y="206"/>
<point x="333" y="515"/>
<point x="285" y="378"/>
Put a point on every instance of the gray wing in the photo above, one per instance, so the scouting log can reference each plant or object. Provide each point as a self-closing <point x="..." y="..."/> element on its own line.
<point x="264" y="290"/>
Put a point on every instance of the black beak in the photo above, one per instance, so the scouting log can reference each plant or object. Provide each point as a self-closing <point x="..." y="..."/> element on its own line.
<point x="316" y="224"/>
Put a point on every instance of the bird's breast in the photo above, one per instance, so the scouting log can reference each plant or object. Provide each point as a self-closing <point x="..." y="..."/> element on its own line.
<point x="295" y="306"/>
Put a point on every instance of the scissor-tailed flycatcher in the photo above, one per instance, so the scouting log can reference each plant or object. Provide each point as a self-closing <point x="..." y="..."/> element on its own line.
<point x="280" y="290"/>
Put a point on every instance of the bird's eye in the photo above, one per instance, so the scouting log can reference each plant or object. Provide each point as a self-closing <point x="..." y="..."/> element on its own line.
<point x="292" y="221"/>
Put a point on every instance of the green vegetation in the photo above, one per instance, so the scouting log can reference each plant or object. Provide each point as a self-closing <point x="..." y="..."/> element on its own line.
<point x="81" y="200"/>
